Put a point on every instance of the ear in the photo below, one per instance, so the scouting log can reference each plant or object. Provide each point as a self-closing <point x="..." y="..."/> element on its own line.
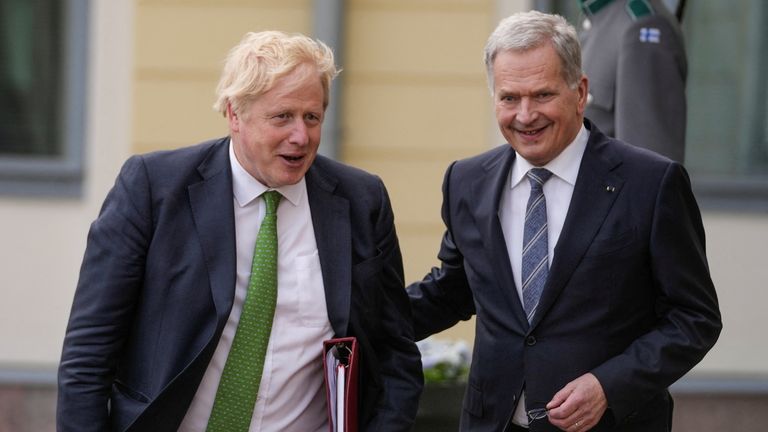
<point x="233" y="119"/>
<point x="583" y="91"/>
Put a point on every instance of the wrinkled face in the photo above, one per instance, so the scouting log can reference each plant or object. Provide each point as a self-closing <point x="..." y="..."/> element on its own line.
<point x="538" y="112"/>
<point x="275" y="137"/>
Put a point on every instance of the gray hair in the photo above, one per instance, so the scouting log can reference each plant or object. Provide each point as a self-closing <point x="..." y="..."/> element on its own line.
<point x="528" y="30"/>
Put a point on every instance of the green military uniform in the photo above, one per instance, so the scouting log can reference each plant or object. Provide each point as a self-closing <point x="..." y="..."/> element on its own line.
<point x="634" y="57"/>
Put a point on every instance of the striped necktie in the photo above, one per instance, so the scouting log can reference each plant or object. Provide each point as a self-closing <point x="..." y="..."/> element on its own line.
<point x="535" y="242"/>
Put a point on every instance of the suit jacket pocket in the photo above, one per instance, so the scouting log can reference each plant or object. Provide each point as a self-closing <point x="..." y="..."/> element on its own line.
<point x="122" y="388"/>
<point x="614" y="243"/>
<point x="126" y="404"/>
<point x="654" y="415"/>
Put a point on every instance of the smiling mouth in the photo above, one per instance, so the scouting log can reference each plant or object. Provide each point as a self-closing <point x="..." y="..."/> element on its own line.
<point x="292" y="158"/>
<point x="531" y="132"/>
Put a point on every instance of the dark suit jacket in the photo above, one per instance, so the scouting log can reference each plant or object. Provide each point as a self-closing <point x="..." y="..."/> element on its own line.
<point x="157" y="285"/>
<point x="629" y="296"/>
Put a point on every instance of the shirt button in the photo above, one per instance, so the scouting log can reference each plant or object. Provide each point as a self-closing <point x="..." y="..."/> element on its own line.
<point x="530" y="341"/>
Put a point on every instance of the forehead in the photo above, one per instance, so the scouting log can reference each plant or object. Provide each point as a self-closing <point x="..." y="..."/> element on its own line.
<point x="537" y="66"/>
<point x="298" y="86"/>
<point x="303" y="79"/>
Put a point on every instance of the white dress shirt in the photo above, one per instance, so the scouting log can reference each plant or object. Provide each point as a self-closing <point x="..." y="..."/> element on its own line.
<point x="291" y="394"/>
<point x="557" y="191"/>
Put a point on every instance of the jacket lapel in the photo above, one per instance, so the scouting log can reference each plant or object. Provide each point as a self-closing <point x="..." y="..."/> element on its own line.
<point x="214" y="216"/>
<point x="596" y="189"/>
<point x="494" y="179"/>
<point x="330" y="218"/>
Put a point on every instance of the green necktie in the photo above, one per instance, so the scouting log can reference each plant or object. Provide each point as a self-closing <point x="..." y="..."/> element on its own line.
<point x="239" y="385"/>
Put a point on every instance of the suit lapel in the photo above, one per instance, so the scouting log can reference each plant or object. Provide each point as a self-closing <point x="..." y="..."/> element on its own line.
<point x="596" y="189"/>
<point x="494" y="179"/>
<point x="330" y="218"/>
<point x="214" y="216"/>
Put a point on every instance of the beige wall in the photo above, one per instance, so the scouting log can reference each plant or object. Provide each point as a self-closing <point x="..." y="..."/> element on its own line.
<point x="736" y="245"/>
<point x="180" y="48"/>
<point x="415" y="99"/>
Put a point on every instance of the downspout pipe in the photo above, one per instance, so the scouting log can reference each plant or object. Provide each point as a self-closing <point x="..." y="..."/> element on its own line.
<point x="328" y="26"/>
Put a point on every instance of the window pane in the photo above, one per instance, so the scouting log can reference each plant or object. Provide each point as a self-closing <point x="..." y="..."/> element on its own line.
<point x="30" y="77"/>
<point x="728" y="59"/>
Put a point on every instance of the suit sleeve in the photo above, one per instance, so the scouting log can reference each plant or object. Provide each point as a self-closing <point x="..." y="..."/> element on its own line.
<point x="688" y="318"/>
<point x="443" y="297"/>
<point x="110" y="279"/>
<point x="650" y="102"/>
<point x="399" y="361"/>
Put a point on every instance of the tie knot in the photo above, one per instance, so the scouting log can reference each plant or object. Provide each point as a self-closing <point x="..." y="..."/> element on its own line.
<point x="538" y="176"/>
<point x="272" y="199"/>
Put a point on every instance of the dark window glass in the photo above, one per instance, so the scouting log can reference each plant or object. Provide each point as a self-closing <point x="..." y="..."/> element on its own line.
<point x="31" y="42"/>
<point x="43" y="64"/>
<point x="727" y="92"/>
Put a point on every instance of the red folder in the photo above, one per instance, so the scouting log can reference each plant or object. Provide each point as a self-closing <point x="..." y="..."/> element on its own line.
<point x="340" y="364"/>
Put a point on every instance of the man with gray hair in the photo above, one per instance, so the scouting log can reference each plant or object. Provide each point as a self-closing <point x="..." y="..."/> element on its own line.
<point x="582" y="257"/>
<point x="214" y="273"/>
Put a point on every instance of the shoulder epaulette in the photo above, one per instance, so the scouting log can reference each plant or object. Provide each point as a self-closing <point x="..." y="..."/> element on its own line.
<point x="638" y="9"/>
<point x="591" y="7"/>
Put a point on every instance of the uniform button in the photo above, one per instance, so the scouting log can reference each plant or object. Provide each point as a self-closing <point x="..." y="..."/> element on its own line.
<point x="530" y="341"/>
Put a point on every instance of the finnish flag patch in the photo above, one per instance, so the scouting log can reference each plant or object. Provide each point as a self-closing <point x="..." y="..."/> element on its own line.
<point x="650" y="35"/>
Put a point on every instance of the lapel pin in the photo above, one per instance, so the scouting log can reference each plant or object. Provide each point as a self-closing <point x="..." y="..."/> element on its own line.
<point x="610" y="189"/>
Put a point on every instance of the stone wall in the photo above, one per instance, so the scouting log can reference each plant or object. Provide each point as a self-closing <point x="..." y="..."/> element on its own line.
<point x="33" y="409"/>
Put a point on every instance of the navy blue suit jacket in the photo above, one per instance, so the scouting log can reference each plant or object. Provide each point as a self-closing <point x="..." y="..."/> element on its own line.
<point x="157" y="285"/>
<point x="629" y="296"/>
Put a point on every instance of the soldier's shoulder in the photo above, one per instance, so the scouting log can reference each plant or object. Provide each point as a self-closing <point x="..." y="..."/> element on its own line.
<point x="654" y="28"/>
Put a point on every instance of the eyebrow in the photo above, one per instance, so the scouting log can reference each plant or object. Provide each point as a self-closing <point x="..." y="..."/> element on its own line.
<point x="535" y="92"/>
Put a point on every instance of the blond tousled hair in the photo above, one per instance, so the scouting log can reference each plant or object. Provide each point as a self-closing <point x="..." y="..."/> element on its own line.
<point x="254" y="65"/>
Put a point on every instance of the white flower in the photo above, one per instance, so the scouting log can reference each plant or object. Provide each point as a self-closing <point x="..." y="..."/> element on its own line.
<point x="447" y="360"/>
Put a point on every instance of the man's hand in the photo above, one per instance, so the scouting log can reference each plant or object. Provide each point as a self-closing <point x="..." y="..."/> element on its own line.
<point x="579" y="405"/>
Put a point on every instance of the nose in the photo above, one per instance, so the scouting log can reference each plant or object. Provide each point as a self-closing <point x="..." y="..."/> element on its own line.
<point x="526" y="112"/>
<point x="299" y="134"/>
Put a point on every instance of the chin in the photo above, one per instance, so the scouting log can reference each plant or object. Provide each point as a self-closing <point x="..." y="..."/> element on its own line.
<point x="534" y="158"/>
<point x="290" y="180"/>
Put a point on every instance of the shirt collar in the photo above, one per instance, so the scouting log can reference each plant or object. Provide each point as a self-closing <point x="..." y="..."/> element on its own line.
<point x="565" y="165"/>
<point x="246" y="188"/>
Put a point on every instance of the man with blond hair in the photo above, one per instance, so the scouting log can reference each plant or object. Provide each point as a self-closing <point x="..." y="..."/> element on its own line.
<point x="214" y="273"/>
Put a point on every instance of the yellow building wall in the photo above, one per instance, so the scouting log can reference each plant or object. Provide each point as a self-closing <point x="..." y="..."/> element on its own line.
<point x="180" y="49"/>
<point x="414" y="100"/>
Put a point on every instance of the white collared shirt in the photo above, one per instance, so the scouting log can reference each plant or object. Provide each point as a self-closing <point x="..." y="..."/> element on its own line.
<point x="291" y="393"/>
<point x="558" y="191"/>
